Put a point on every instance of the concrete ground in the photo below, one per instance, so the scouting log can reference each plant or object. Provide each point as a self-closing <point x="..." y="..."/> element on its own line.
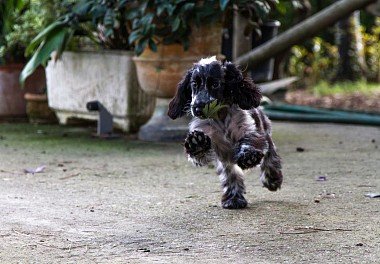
<point x="125" y="201"/>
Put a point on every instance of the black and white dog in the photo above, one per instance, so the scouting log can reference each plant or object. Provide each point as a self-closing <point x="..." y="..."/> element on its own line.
<point x="238" y="139"/>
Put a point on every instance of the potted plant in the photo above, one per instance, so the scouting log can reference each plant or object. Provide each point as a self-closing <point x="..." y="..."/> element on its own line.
<point x="171" y="35"/>
<point x="18" y="23"/>
<point x="100" y="68"/>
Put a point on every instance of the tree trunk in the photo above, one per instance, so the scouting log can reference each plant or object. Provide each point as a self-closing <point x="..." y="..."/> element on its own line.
<point x="352" y="64"/>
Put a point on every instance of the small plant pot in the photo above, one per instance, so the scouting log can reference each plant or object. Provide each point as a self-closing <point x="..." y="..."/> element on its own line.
<point x="37" y="109"/>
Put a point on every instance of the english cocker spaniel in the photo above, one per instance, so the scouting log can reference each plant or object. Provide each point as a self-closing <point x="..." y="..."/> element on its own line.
<point x="228" y="127"/>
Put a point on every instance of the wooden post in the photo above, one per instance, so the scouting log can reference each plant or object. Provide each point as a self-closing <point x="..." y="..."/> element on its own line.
<point x="240" y="44"/>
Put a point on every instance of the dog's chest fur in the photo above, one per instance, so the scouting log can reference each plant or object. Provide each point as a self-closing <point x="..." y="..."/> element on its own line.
<point x="226" y="133"/>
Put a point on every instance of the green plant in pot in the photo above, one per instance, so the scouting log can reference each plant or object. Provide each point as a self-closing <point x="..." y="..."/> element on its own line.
<point x="20" y="20"/>
<point x="171" y="35"/>
<point x="100" y="22"/>
<point x="91" y="38"/>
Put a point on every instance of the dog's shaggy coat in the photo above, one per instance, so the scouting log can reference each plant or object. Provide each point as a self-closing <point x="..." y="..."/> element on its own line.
<point x="239" y="139"/>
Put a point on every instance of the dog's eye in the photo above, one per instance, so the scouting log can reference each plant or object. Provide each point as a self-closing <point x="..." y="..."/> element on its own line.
<point x="196" y="82"/>
<point x="215" y="85"/>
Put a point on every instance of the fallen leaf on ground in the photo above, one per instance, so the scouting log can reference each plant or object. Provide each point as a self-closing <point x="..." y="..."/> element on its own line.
<point x="321" y="178"/>
<point x="373" y="195"/>
<point x="36" y="170"/>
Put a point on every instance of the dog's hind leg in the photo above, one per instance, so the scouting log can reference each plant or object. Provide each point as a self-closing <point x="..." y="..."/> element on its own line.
<point x="271" y="175"/>
<point x="231" y="177"/>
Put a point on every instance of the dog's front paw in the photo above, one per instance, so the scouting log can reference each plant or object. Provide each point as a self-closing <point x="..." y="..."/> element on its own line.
<point x="197" y="142"/>
<point x="235" y="202"/>
<point x="248" y="157"/>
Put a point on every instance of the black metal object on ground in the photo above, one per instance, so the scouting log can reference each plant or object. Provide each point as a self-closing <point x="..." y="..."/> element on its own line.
<point x="105" y="121"/>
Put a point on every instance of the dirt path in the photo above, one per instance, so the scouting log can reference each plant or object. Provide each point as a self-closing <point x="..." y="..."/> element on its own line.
<point x="126" y="201"/>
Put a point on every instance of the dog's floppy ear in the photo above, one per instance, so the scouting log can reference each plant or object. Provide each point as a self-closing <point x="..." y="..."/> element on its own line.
<point x="182" y="98"/>
<point x="242" y="90"/>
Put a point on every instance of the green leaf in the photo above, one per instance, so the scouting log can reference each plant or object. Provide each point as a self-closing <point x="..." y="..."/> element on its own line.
<point x="131" y="14"/>
<point x="62" y="46"/>
<point x="281" y="7"/>
<point x="170" y="9"/>
<point x="135" y="35"/>
<point x="53" y="27"/>
<point x="175" y="24"/>
<point x="55" y="42"/>
<point x="82" y="8"/>
<point x="152" y="45"/>
<point x="211" y="110"/>
<point x="160" y="9"/>
<point x="223" y="4"/>
<point x="108" y="32"/>
<point x="97" y="12"/>
<point x="141" y="45"/>
<point x="262" y="8"/>
<point x="109" y="18"/>
<point x="187" y="7"/>
<point x="123" y="3"/>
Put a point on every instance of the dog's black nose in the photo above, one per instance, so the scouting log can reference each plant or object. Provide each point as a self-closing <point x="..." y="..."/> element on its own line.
<point x="198" y="110"/>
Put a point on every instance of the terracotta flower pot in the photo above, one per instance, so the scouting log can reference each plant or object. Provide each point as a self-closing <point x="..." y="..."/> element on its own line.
<point x="12" y="102"/>
<point x="159" y="72"/>
<point x="38" y="110"/>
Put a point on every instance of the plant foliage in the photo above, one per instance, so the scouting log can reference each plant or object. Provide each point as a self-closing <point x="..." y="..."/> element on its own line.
<point x="10" y="10"/>
<point x="212" y="109"/>
<point x="170" y="21"/>
<point x="313" y="62"/>
<point x="20" y="22"/>
<point x="136" y="24"/>
<point x="103" y="21"/>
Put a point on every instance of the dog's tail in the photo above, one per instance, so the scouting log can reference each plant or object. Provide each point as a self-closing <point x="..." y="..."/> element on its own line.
<point x="271" y="175"/>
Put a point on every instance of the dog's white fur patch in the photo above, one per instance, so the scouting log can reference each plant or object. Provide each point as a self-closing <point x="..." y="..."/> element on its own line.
<point x="206" y="61"/>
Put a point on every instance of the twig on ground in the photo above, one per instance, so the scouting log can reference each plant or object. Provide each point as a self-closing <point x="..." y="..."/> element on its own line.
<point x="11" y="172"/>
<point x="69" y="176"/>
<point x="69" y="248"/>
<point x="310" y="229"/>
<point x="30" y="233"/>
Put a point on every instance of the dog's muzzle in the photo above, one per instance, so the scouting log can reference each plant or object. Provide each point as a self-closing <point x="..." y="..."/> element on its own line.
<point x="197" y="110"/>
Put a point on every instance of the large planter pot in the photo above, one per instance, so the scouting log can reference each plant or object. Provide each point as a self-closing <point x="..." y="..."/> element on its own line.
<point x="12" y="102"/>
<point x="159" y="72"/>
<point x="109" y="77"/>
